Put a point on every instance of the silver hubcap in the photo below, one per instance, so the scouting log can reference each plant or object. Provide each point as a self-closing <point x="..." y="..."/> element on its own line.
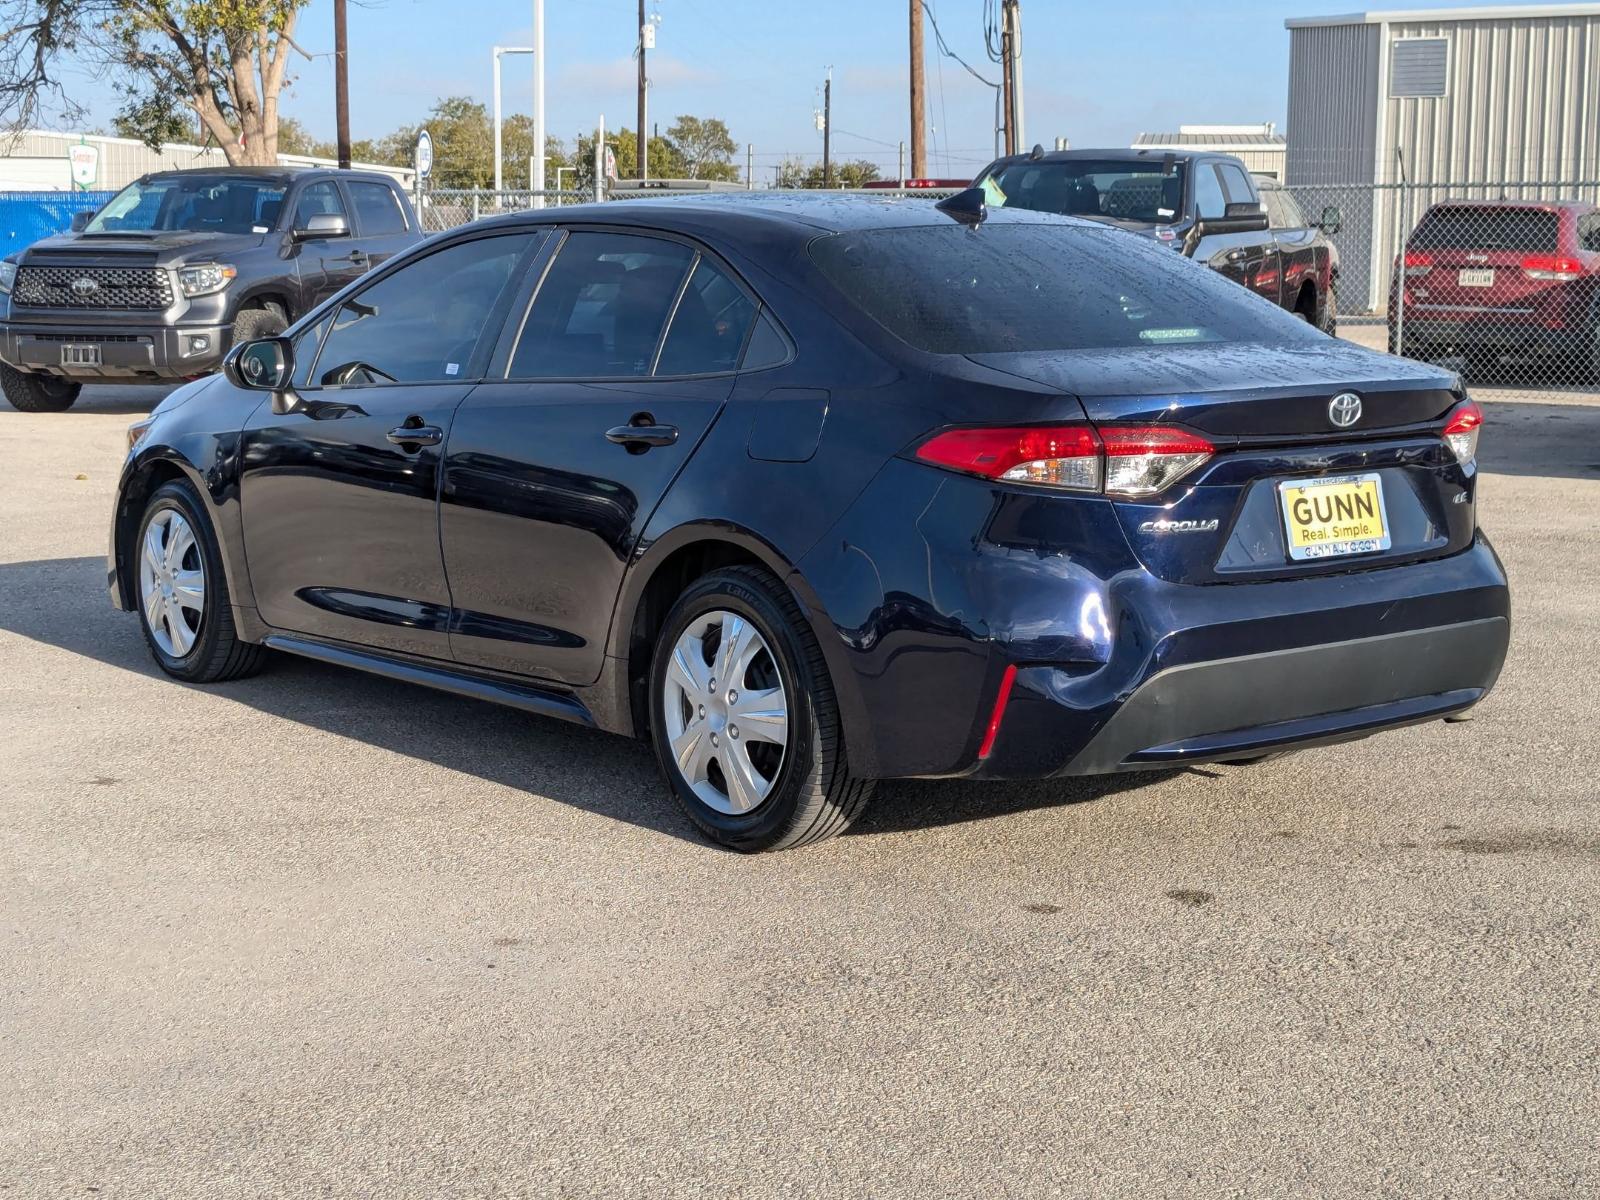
<point x="172" y="582"/>
<point x="727" y="718"/>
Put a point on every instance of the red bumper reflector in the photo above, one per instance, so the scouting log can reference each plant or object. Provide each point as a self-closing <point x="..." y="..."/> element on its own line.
<point x="1000" y="699"/>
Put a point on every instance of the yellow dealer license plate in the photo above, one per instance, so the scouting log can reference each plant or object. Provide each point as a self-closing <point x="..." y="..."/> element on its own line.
<point x="1324" y="518"/>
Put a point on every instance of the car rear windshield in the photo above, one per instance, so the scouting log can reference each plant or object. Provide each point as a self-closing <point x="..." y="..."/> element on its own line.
<point x="1048" y="286"/>
<point x="1483" y="227"/>
<point x="1125" y="191"/>
<point x="193" y="204"/>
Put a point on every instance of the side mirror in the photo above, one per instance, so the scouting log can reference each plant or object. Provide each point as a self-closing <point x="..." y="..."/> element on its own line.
<point x="1332" y="220"/>
<point x="266" y="365"/>
<point x="1243" y="217"/>
<point x="322" y="225"/>
<point x="80" y="221"/>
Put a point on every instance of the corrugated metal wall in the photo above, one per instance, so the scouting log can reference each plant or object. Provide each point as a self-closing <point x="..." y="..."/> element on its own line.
<point x="1333" y="104"/>
<point x="1522" y="102"/>
<point x="122" y="161"/>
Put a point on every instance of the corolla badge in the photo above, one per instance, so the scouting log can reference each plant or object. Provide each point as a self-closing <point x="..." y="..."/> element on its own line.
<point x="1166" y="526"/>
<point x="85" y="285"/>
<point x="1344" y="410"/>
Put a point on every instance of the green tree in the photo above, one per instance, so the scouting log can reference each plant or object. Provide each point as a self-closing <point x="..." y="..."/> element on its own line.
<point x="798" y="173"/>
<point x="155" y="124"/>
<point x="666" y="160"/>
<point x="224" y="61"/>
<point x="705" y="146"/>
<point x="295" y="138"/>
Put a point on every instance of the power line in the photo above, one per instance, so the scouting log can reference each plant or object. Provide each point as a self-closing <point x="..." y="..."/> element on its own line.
<point x="944" y="47"/>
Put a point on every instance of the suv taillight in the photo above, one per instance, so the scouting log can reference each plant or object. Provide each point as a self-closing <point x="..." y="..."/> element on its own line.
<point x="1461" y="430"/>
<point x="1418" y="263"/>
<point x="1118" y="460"/>
<point x="1551" y="266"/>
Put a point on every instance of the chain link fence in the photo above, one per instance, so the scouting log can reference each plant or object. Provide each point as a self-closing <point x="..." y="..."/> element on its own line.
<point x="1497" y="280"/>
<point x="1501" y="280"/>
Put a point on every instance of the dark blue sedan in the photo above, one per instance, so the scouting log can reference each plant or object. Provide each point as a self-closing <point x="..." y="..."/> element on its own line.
<point x="818" y="491"/>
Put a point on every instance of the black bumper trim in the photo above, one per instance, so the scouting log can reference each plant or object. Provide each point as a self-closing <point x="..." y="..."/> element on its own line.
<point x="1308" y="696"/>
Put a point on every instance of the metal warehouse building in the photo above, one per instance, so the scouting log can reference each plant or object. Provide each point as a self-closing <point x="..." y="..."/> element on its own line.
<point x="1462" y="102"/>
<point x="1261" y="147"/>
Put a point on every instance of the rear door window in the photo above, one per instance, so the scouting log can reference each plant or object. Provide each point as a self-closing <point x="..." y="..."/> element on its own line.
<point x="315" y="199"/>
<point x="601" y="310"/>
<point x="1237" y="184"/>
<point x="1208" y="198"/>
<point x="1030" y="287"/>
<point x="377" y="208"/>
<point x="1486" y="227"/>
<point x="709" y="326"/>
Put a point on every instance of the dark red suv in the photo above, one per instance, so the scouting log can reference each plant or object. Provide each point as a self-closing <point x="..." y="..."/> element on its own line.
<point x="1499" y="277"/>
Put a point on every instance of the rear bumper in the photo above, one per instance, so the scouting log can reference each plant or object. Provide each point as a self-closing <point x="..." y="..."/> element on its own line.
<point x="1266" y="667"/>
<point x="129" y="353"/>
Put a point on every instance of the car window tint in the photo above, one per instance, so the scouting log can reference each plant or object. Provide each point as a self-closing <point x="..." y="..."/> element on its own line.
<point x="1237" y="184"/>
<point x="767" y="347"/>
<point x="377" y="208"/>
<point x="1027" y="287"/>
<point x="1589" y="232"/>
<point x="1272" y="200"/>
<point x="317" y="198"/>
<point x="421" y="323"/>
<point x="1127" y="190"/>
<point x="601" y="308"/>
<point x="1208" y="198"/>
<point x="709" y="327"/>
<point x="1486" y="227"/>
<point x="1293" y="218"/>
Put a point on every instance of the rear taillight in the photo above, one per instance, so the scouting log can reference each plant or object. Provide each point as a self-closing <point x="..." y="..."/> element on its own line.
<point x="1120" y="460"/>
<point x="1144" y="461"/>
<point x="1551" y="266"/>
<point x="1418" y="263"/>
<point x="1461" y="430"/>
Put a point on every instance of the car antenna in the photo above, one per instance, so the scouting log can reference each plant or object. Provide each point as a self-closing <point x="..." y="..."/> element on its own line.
<point x="1036" y="153"/>
<point x="968" y="207"/>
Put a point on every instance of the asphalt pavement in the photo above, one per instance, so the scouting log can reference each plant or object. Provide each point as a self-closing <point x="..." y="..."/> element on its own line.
<point x="318" y="934"/>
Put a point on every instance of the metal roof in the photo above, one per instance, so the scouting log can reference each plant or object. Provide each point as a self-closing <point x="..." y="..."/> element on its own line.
<point x="1499" y="12"/>
<point x="1213" y="141"/>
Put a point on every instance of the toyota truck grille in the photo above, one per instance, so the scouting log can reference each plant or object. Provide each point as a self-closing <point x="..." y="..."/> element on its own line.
<point x="92" y="287"/>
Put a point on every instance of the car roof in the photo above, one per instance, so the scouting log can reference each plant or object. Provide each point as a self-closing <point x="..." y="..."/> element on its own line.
<point x="278" y="174"/>
<point x="1536" y="205"/>
<point x="1111" y="154"/>
<point x="741" y="216"/>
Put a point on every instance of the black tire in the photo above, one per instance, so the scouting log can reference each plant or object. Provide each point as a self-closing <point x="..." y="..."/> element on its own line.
<point x="813" y="796"/>
<point x="33" y="393"/>
<point x="218" y="653"/>
<point x="264" y="321"/>
<point x="1329" y="324"/>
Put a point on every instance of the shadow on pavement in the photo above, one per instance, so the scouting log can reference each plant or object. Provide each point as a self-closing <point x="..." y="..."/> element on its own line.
<point x="63" y="603"/>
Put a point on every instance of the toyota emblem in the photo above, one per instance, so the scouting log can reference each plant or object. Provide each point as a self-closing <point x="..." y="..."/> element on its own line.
<point x="1344" y="410"/>
<point x="85" y="285"/>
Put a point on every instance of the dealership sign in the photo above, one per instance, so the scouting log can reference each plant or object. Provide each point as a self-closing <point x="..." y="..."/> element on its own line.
<point x="85" y="160"/>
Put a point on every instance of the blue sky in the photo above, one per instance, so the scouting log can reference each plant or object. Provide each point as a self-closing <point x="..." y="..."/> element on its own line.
<point x="1096" y="73"/>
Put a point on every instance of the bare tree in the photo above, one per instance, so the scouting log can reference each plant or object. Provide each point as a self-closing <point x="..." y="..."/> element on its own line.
<point x="224" y="61"/>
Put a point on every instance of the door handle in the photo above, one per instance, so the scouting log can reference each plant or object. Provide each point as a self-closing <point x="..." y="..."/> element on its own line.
<point x="641" y="437"/>
<point x="1236" y="255"/>
<point x="416" y="435"/>
<point x="357" y="258"/>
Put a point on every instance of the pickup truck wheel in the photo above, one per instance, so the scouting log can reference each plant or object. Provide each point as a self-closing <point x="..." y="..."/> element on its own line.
<point x="29" y="392"/>
<point x="1330" y="315"/>
<point x="262" y="322"/>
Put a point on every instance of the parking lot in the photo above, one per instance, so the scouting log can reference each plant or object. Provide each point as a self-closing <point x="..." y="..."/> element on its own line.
<point x="315" y="933"/>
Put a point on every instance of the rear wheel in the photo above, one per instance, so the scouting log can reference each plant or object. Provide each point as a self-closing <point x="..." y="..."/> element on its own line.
<point x="32" y="392"/>
<point x="744" y="720"/>
<point x="1330" y="314"/>
<point x="183" y="598"/>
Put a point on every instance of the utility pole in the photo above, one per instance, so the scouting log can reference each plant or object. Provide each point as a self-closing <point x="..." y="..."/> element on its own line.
<point x="919" y="153"/>
<point x="749" y="166"/>
<point x="1011" y="74"/>
<point x="646" y="36"/>
<point x="341" y="83"/>
<point x="827" y="129"/>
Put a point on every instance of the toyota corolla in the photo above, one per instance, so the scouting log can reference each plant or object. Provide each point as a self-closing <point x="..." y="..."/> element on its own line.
<point x="813" y="492"/>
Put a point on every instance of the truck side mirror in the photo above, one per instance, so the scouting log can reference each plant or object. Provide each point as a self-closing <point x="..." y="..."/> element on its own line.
<point x="1332" y="220"/>
<point x="80" y="221"/>
<point x="1242" y="217"/>
<point x="322" y="225"/>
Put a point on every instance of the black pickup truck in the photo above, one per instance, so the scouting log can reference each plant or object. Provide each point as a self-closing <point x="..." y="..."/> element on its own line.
<point x="1206" y="206"/>
<point x="180" y="265"/>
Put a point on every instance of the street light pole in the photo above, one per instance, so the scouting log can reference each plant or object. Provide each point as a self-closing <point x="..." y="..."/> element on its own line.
<point x="499" y="143"/>
<point x="537" y="181"/>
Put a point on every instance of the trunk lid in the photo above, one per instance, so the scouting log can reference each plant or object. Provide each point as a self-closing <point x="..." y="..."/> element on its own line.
<point x="1266" y="409"/>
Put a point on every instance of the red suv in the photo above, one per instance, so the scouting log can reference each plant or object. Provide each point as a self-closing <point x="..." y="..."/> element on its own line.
<point x="1492" y="277"/>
